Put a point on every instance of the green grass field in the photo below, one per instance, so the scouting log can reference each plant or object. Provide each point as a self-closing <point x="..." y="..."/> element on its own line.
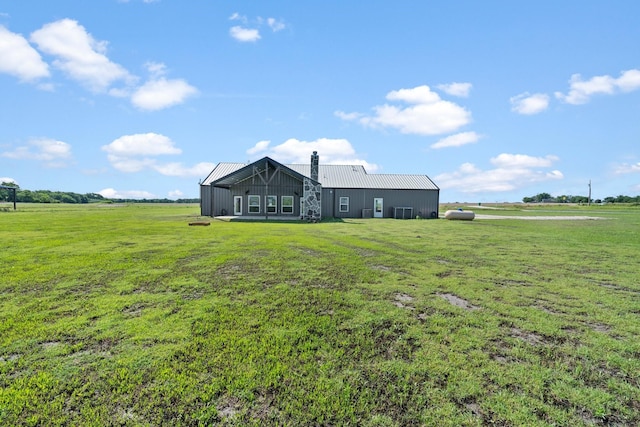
<point x="125" y="315"/>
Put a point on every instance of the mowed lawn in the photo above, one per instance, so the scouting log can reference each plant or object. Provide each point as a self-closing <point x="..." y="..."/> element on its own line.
<point x="125" y="315"/>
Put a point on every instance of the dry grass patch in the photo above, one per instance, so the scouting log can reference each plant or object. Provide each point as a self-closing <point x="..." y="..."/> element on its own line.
<point x="458" y="302"/>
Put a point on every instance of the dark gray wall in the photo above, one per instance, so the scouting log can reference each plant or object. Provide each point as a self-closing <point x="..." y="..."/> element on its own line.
<point x="205" y="200"/>
<point x="222" y="200"/>
<point x="281" y="185"/>
<point x="423" y="202"/>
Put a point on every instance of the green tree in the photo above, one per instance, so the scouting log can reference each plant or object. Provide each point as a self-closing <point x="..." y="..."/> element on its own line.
<point x="5" y="194"/>
<point x="542" y="196"/>
<point x="67" y="198"/>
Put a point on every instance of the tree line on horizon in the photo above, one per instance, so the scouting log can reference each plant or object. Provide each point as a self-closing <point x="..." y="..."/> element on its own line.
<point x="547" y="198"/>
<point x="48" y="196"/>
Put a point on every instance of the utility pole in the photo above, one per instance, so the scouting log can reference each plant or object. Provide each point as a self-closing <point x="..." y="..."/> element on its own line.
<point x="589" y="200"/>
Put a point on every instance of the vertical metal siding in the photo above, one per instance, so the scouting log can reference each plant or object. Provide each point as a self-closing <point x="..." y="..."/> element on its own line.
<point x="222" y="201"/>
<point x="205" y="200"/>
<point x="423" y="202"/>
<point x="283" y="185"/>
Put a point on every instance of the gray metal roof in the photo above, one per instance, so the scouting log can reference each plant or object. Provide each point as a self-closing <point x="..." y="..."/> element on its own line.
<point x="341" y="176"/>
<point x="245" y="171"/>
<point x="222" y="170"/>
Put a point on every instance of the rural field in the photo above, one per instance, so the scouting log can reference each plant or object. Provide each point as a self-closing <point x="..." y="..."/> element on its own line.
<point x="126" y="315"/>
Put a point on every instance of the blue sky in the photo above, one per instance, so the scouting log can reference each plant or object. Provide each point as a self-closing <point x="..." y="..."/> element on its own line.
<point x="494" y="100"/>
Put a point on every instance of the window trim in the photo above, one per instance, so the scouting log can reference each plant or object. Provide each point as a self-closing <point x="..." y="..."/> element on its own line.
<point x="341" y="204"/>
<point x="274" y="207"/>
<point x="282" y="205"/>
<point x="251" y="206"/>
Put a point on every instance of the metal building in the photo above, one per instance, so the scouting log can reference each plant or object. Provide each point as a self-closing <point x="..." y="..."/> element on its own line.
<point x="266" y="188"/>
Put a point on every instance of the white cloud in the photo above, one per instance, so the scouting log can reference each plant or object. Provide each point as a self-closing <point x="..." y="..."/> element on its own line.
<point x="457" y="140"/>
<point x="512" y="171"/>
<point x="505" y="160"/>
<point x="156" y="69"/>
<point x="51" y="152"/>
<point x="331" y="151"/>
<point x="242" y="34"/>
<point x="529" y="104"/>
<point x="275" y="25"/>
<point x="237" y="17"/>
<point x="418" y="95"/>
<point x="141" y="144"/>
<point x="581" y="91"/>
<point x="111" y="193"/>
<point x="83" y="59"/>
<point x="162" y="93"/>
<point x="626" y="168"/>
<point x="158" y="92"/>
<point x="178" y="169"/>
<point x="19" y="58"/>
<point x="260" y="147"/>
<point x="175" y="194"/>
<point x="428" y="114"/>
<point x="130" y="164"/>
<point x="456" y="89"/>
<point x="79" y="55"/>
<point x="137" y="152"/>
<point x="629" y="80"/>
<point x="347" y="116"/>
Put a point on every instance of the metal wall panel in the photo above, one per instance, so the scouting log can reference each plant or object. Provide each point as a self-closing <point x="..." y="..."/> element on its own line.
<point x="205" y="200"/>
<point x="222" y="202"/>
<point x="281" y="185"/>
<point x="424" y="203"/>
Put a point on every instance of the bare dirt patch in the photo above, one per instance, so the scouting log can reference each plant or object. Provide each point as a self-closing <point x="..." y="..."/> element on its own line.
<point x="400" y="299"/>
<point x="447" y="273"/>
<point x="134" y="310"/>
<point x="263" y="408"/>
<point x="618" y="288"/>
<point x="50" y="344"/>
<point x="509" y="282"/>
<point x="499" y="358"/>
<point x="474" y="408"/>
<point x="528" y="337"/>
<point x="544" y="306"/>
<point x="458" y="302"/>
<point x="599" y="327"/>
<point x="9" y="358"/>
<point x="404" y="297"/>
<point x="229" y="408"/>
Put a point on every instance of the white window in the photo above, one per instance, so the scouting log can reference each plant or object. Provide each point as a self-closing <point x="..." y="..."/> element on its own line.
<point x="344" y="204"/>
<point x="287" y="204"/>
<point x="254" y="204"/>
<point x="272" y="204"/>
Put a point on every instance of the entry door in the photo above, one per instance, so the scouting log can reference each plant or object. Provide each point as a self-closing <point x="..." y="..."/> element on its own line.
<point x="378" y="207"/>
<point x="237" y="205"/>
